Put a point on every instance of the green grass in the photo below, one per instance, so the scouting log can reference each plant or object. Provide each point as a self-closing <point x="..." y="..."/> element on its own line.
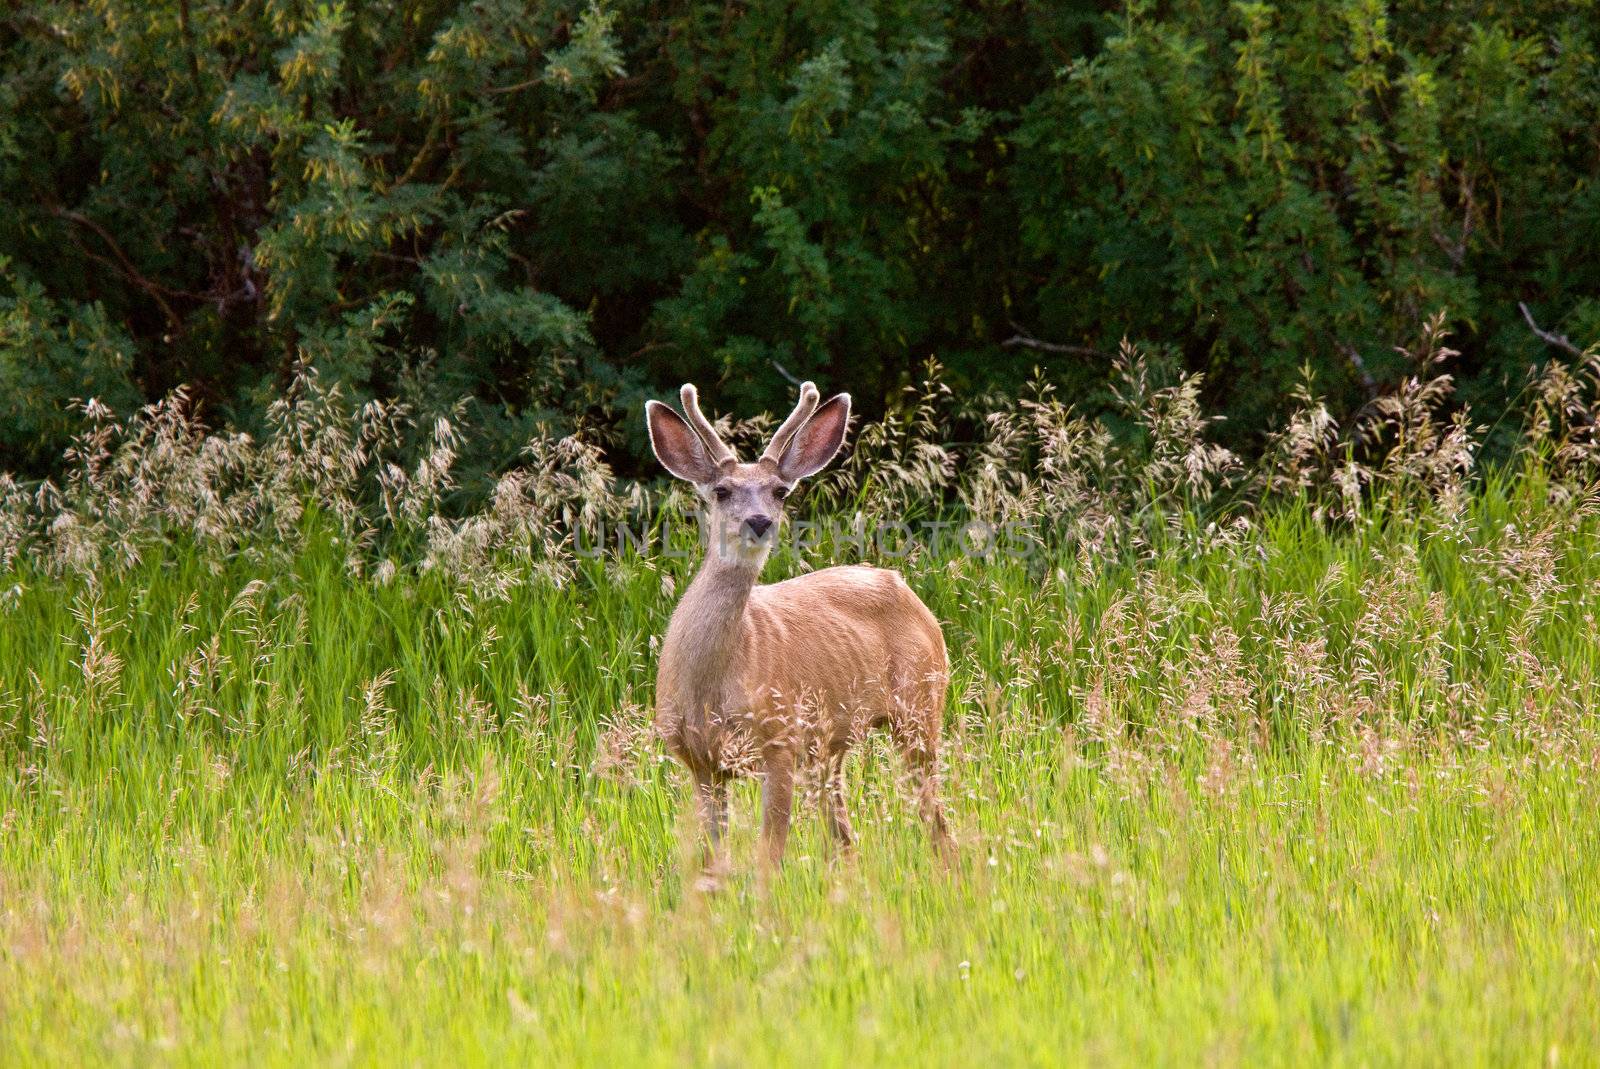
<point x="1321" y="796"/>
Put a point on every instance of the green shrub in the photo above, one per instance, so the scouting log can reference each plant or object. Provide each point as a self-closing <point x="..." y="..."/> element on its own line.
<point x="556" y="209"/>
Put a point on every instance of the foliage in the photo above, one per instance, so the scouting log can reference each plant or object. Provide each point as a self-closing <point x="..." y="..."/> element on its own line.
<point x="1287" y="758"/>
<point x="554" y="210"/>
<point x="1303" y="796"/>
<point x="1112" y="487"/>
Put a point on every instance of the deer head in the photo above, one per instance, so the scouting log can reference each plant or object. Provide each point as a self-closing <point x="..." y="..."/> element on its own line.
<point x="745" y="502"/>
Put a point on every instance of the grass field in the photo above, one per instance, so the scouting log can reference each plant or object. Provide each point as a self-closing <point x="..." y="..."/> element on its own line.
<point x="1322" y="792"/>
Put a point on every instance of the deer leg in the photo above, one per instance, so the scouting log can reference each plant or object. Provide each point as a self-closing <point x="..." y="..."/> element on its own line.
<point x="777" y="799"/>
<point x="833" y="798"/>
<point x="711" y="797"/>
<point x="917" y="732"/>
<point x="924" y="763"/>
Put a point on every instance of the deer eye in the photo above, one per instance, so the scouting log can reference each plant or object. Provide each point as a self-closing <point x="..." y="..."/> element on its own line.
<point x="781" y="492"/>
<point x="722" y="493"/>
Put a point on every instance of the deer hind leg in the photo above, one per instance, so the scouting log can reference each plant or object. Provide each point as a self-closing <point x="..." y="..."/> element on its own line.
<point x="833" y="800"/>
<point x="711" y="798"/>
<point x="915" y="724"/>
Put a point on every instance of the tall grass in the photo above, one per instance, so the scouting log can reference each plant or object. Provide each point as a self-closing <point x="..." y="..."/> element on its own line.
<point x="1248" y="762"/>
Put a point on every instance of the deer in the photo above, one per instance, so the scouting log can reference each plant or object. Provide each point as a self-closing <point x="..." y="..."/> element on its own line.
<point x="763" y="679"/>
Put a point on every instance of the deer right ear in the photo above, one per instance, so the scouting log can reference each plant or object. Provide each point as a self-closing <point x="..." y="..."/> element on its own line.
<point x="677" y="446"/>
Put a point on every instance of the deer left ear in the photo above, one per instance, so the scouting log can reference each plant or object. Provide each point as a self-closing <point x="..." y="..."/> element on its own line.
<point x="815" y="444"/>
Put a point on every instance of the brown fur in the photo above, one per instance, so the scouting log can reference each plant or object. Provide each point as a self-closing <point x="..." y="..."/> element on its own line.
<point x="758" y="679"/>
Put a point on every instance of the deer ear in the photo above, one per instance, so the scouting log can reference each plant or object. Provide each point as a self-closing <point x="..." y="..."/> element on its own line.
<point x="816" y="443"/>
<point x="676" y="445"/>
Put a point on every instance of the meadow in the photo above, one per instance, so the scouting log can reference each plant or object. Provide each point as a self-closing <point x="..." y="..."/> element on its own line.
<point x="1286" y="761"/>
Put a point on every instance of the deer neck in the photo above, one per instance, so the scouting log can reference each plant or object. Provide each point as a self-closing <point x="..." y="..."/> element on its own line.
<point x="704" y="634"/>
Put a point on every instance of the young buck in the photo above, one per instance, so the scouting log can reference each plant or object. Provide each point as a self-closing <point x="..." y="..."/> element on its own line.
<point x="759" y="678"/>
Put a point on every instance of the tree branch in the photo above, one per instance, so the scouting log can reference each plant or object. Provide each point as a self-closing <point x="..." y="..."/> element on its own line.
<point x="1560" y="341"/>
<point x="497" y="90"/>
<point x="123" y="264"/>
<point x="1028" y="341"/>
<point x="785" y="372"/>
<point x="428" y="141"/>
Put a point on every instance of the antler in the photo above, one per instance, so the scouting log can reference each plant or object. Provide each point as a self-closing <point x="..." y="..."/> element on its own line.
<point x="797" y="419"/>
<point x="720" y="453"/>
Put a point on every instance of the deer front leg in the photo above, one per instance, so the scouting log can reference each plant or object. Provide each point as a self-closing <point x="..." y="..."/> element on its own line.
<point x="833" y="800"/>
<point x="777" y="801"/>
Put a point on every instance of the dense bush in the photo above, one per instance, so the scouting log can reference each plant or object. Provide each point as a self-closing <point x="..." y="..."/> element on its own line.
<point x="555" y="209"/>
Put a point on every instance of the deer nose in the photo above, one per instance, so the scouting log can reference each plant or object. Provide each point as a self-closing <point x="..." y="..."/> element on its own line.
<point x="759" y="525"/>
